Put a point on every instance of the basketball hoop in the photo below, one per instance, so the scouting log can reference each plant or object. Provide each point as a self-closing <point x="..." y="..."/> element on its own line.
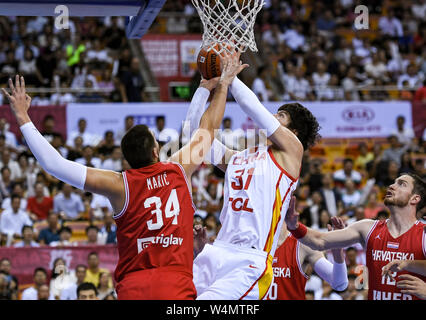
<point x="229" y="23"/>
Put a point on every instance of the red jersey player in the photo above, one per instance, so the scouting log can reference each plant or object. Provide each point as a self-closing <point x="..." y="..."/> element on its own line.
<point x="401" y="237"/>
<point x="152" y="200"/>
<point x="290" y="260"/>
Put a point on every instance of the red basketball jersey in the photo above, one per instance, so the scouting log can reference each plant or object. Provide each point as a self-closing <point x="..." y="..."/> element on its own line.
<point x="289" y="278"/>
<point x="382" y="248"/>
<point x="154" y="229"/>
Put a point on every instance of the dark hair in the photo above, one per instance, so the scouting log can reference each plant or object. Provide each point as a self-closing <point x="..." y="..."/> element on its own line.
<point x="86" y="286"/>
<point x="261" y="69"/>
<point x="351" y="249"/>
<point x="14" y="196"/>
<point x="137" y="145"/>
<point x="346" y="160"/>
<point x="310" y="292"/>
<point x="92" y="227"/>
<point x="100" y="276"/>
<point x="92" y="253"/>
<point x="352" y="276"/>
<point x="304" y="122"/>
<point x="419" y="187"/>
<point x="48" y="117"/>
<point x="54" y="274"/>
<point x="4" y="169"/>
<point x="65" y="228"/>
<point x="41" y="269"/>
<point x="160" y="118"/>
<point x="26" y="227"/>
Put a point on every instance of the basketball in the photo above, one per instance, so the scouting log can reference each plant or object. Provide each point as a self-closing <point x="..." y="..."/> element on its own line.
<point x="208" y="63"/>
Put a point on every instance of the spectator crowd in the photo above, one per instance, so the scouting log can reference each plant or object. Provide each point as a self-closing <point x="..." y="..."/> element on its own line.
<point x="92" y="58"/>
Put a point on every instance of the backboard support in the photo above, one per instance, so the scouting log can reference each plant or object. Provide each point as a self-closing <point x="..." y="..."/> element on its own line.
<point x="141" y="13"/>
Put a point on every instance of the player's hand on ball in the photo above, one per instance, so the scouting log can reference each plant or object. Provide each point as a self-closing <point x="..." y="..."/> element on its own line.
<point x="209" y="84"/>
<point x="231" y="66"/>
<point x="19" y="100"/>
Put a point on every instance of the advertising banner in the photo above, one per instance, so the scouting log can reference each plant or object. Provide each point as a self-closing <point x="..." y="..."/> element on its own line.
<point x="25" y="260"/>
<point x="337" y="119"/>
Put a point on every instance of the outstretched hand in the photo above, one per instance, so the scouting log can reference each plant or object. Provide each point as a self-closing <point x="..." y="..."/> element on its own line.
<point x="292" y="216"/>
<point x="19" y="101"/>
<point x="231" y="66"/>
<point x="200" y="237"/>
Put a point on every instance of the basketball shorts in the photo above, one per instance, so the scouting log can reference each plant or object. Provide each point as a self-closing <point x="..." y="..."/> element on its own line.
<point x="164" y="283"/>
<point x="224" y="271"/>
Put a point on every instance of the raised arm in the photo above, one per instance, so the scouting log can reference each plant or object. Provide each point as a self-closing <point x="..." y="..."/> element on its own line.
<point x="250" y="104"/>
<point x="219" y="153"/>
<point x="194" y="153"/>
<point x="356" y="232"/>
<point x="107" y="183"/>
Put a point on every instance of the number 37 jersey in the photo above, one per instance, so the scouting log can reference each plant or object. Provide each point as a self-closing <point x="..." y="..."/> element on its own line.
<point x="257" y="195"/>
<point x="154" y="229"/>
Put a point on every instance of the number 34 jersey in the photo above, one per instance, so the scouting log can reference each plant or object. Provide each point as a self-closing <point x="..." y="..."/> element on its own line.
<point x="154" y="229"/>
<point x="257" y="195"/>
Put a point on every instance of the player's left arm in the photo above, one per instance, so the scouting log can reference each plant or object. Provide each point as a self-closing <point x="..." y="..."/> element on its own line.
<point x="282" y="137"/>
<point x="104" y="182"/>
<point x="334" y="273"/>
<point x="219" y="153"/>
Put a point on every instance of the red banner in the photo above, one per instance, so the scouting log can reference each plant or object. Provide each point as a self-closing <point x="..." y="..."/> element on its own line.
<point x="37" y="115"/>
<point x="172" y="58"/>
<point x="25" y="260"/>
<point x="419" y="117"/>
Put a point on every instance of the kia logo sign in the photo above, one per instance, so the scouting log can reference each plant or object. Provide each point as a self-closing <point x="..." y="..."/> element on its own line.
<point x="358" y="115"/>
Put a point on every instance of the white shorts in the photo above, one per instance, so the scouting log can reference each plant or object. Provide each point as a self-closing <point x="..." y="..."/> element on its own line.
<point x="224" y="271"/>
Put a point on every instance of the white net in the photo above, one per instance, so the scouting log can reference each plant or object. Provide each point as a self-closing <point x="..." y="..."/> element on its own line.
<point x="229" y="23"/>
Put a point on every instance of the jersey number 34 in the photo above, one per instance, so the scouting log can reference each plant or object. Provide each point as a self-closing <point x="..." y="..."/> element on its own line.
<point x="172" y="209"/>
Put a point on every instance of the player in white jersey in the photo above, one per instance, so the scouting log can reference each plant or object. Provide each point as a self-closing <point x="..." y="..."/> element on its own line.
<point x="259" y="182"/>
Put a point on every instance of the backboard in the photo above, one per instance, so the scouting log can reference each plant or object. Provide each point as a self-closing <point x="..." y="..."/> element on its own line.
<point x="141" y="13"/>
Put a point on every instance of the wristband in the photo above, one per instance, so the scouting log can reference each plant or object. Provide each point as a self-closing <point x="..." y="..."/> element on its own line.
<point x="300" y="231"/>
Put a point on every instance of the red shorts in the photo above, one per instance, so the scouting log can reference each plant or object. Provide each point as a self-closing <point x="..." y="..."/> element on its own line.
<point x="165" y="283"/>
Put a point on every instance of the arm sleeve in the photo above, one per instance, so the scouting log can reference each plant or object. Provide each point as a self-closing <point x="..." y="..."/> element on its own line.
<point x="251" y="105"/>
<point x="68" y="171"/>
<point x="195" y="111"/>
<point x="334" y="273"/>
<point x="192" y="122"/>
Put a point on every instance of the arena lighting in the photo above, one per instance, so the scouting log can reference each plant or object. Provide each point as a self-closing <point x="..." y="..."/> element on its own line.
<point x="140" y="13"/>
